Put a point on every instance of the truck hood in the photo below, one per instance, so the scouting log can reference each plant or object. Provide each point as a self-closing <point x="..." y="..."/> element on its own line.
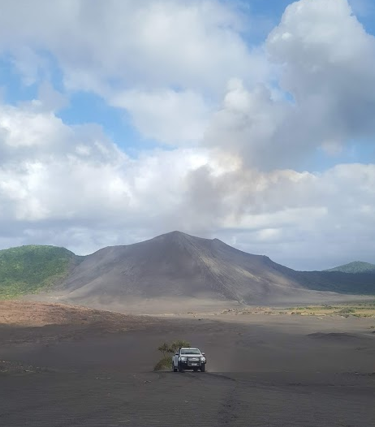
<point x="192" y="355"/>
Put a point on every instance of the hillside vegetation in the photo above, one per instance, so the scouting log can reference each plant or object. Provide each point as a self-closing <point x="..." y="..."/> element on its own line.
<point x="29" y="269"/>
<point x="355" y="267"/>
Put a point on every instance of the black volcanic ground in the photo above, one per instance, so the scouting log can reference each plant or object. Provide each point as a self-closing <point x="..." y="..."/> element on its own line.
<point x="64" y="366"/>
<point x="181" y="268"/>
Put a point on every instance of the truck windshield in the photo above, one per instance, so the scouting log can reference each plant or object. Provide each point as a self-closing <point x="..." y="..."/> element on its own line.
<point x="190" y="351"/>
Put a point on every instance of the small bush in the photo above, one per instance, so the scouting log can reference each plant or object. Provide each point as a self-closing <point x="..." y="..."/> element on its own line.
<point x="164" y="364"/>
<point x="167" y="350"/>
<point x="346" y="311"/>
<point x="178" y="344"/>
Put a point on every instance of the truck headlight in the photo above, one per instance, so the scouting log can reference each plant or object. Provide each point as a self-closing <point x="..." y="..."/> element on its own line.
<point x="183" y="359"/>
<point x="203" y="359"/>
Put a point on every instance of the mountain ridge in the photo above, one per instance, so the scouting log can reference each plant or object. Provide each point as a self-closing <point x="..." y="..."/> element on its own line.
<point x="354" y="267"/>
<point x="178" y="265"/>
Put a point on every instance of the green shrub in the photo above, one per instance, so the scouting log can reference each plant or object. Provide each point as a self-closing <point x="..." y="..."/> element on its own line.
<point x="178" y="344"/>
<point x="164" y="364"/>
<point x="167" y="350"/>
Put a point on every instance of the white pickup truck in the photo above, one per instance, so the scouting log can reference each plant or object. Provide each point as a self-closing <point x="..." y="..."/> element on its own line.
<point x="189" y="358"/>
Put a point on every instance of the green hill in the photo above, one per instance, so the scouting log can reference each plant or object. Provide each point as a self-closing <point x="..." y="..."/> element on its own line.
<point x="355" y="267"/>
<point x="29" y="269"/>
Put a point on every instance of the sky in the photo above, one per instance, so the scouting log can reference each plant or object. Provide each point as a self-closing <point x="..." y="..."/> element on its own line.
<point x="250" y="121"/>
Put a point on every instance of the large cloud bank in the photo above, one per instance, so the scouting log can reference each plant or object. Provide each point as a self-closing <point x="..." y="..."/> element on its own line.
<point x="238" y="128"/>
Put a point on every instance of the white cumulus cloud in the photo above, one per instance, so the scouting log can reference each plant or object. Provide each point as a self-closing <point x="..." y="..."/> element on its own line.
<point x="239" y="121"/>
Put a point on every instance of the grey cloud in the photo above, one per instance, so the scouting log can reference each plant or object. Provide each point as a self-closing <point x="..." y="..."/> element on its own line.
<point x="148" y="56"/>
<point x="88" y="201"/>
<point x="71" y="186"/>
<point x="304" y="220"/>
<point x="145" y="44"/>
<point x="327" y="64"/>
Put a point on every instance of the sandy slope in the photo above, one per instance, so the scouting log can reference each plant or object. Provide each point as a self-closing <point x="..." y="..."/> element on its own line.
<point x="190" y="270"/>
<point x="176" y="265"/>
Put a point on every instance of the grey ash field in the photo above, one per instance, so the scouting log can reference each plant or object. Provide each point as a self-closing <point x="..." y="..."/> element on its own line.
<point x="73" y="366"/>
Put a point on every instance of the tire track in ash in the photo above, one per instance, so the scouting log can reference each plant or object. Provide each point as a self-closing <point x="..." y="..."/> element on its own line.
<point x="228" y="412"/>
<point x="219" y="398"/>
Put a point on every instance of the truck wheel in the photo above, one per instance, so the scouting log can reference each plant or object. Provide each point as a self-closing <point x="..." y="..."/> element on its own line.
<point x="203" y="368"/>
<point x="180" y="368"/>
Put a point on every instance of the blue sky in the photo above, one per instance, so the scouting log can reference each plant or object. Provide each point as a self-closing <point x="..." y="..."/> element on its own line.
<point x="198" y="131"/>
<point x="13" y="89"/>
<point x="88" y="107"/>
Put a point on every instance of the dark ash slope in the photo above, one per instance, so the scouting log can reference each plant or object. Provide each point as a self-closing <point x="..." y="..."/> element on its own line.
<point x="179" y="266"/>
